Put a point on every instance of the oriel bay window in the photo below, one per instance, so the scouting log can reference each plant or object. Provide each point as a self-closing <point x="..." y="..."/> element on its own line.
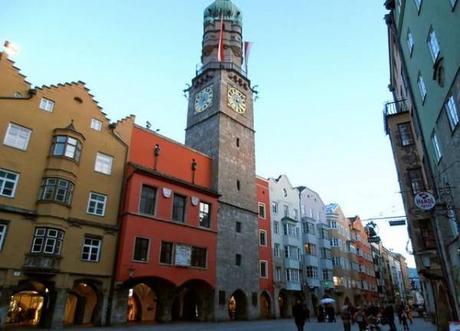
<point x="66" y="146"/>
<point x="56" y="189"/>
<point x="47" y="241"/>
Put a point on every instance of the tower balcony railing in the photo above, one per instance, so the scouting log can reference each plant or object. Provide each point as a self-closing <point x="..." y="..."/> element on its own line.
<point x="220" y="65"/>
<point x="392" y="108"/>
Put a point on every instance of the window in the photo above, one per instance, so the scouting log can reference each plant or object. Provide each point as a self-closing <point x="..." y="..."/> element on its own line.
<point x="278" y="274"/>
<point x="96" y="124"/>
<point x="56" y="189"/>
<point x="309" y="228"/>
<point x="96" y="204"/>
<point x="275" y="207"/>
<point x="263" y="238"/>
<point x="427" y="236"/>
<point x="17" y="136"/>
<point x="66" y="146"/>
<point x="238" y="227"/>
<point x="237" y="142"/>
<point x="312" y="272"/>
<point x="325" y="253"/>
<point x="327" y="274"/>
<point x="47" y="241"/>
<point x="452" y="113"/>
<point x="262" y="210"/>
<point x="166" y="252"/>
<point x="148" y="197"/>
<point x="103" y="163"/>
<point x="277" y="251"/>
<point x="292" y="275"/>
<point x="416" y="180"/>
<point x="238" y="185"/>
<point x="46" y="104"/>
<point x="3" y="228"/>
<point x="421" y="87"/>
<point x="405" y="134"/>
<point x="310" y="249"/>
<point x="178" y="212"/>
<point x="453" y="3"/>
<point x="418" y="4"/>
<point x="91" y="249"/>
<point x="263" y="269"/>
<point x="198" y="257"/>
<point x="276" y="227"/>
<point x="333" y="224"/>
<point x="433" y="45"/>
<point x="205" y="214"/>
<point x="238" y="259"/>
<point x="436" y="146"/>
<point x="141" y="249"/>
<point x="410" y="41"/>
<point x="8" y="182"/>
<point x="286" y="210"/>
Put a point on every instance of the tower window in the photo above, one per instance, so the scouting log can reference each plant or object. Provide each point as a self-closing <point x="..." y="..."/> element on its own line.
<point x="238" y="185"/>
<point x="238" y="227"/>
<point x="237" y="142"/>
<point x="238" y="259"/>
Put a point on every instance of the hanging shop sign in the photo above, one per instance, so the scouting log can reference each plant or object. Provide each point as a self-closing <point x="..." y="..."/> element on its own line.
<point x="425" y="200"/>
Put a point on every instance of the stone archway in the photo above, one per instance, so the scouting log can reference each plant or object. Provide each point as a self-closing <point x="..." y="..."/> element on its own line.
<point x="28" y="305"/>
<point x="265" y="305"/>
<point x="283" y="304"/>
<point x="82" y="305"/>
<point x="237" y="306"/>
<point x="142" y="303"/>
<point x="193" y="301"/>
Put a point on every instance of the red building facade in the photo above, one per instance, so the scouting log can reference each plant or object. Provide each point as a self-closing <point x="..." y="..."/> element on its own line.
<point x="265" y="250"/>
<point x="166" y="267"/>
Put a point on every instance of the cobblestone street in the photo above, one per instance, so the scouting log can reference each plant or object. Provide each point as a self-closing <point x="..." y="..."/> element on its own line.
<point x="271" y="325"/>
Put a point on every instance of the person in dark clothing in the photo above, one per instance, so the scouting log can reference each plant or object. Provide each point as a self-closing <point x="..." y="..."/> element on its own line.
<point x="389" y="316"/>
<point x="346" y="318"/>
<point x="321" y="314"/>
<point x="330" y="312"/>
<point x="360" y="318"/>
<point x="300" y="315"/>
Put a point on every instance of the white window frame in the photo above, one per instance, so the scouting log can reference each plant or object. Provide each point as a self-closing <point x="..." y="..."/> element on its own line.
<point x="278" y="273"/>
<point x="44" y="239"/>
<point x="421" y="87"/>
<point x="95" y="203"/>
<point x="3" y="229"/>
<point x="264" y="214"/>
<point x="436" y="146"/>
<point x="275" y="207"/>
<point x="103" y="163"/>
<point x="262" y="233"/>
<point x="94" y="247"/>
<point x="263" y="263"/>
<point x="276" y="226"/>
<point x="277" y="250"/>
<point x="46" y="104"/>
<point x="410" y="41"/>
<point x="96" y="124"/>
<point x="452" y="113"/>
<point x="5" y="180"/>
<point x="17" y="136"/>
<point x="433" y="45"/>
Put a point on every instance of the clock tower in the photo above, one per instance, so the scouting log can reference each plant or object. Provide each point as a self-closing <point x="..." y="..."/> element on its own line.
<point x="220" y="123"/>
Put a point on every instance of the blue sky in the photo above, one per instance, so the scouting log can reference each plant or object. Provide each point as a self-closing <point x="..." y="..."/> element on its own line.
<point x="321" y="68"/>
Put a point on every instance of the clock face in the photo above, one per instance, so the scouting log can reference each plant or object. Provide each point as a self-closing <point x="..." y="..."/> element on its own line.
<point x="203" y="99"/>
<point x="236" y="100"/>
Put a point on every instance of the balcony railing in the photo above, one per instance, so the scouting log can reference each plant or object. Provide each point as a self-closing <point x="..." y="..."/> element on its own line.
<point x="42" y="263"/>
<point x="393" y="108"/>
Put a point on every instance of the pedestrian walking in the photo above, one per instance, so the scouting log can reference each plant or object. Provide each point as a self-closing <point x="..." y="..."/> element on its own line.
<point x="404" y="320"/>
<point x="360" y="318"/>
<point x="300" y="315"/>
<point x="389" y="316"/>
<point x="346" y="317"/>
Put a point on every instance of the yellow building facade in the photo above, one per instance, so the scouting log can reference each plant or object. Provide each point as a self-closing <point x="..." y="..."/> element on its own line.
<point x="61" y="174"/>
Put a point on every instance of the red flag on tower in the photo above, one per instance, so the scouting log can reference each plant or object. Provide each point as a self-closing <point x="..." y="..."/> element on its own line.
<point x="220" y="47"/>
